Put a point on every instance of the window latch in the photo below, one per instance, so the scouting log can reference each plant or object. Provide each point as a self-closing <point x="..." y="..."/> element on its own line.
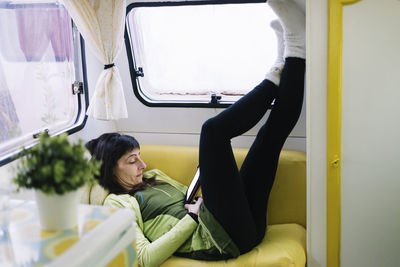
<point x="77" y="88"/>
<point x="139" y="72"/>
<point x="215" y="99"/>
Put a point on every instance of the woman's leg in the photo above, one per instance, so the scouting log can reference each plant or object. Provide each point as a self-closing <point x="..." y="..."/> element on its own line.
<point x="222" y="186"/>
<point x="259" y="167"/>
<point x="238" y="200"/>
<point x="220" y="180"/>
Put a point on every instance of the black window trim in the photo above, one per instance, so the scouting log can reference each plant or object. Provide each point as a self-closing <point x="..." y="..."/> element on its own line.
<point x="134" y="72"/>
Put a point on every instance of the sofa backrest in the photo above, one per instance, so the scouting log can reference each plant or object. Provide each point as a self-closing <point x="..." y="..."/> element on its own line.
<point x="287" y="203"/>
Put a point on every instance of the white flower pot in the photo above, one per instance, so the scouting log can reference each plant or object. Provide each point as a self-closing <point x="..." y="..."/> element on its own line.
<point x="58" y="212"/>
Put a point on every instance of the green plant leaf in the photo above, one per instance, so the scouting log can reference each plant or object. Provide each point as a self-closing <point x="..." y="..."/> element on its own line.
<point x="55" y="166"/>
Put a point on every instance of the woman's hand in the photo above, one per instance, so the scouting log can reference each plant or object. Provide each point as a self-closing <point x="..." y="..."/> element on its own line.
<point x="194" y="208"/>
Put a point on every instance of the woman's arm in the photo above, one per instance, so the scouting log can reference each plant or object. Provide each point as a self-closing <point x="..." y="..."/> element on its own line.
<point x="154" y="253"/>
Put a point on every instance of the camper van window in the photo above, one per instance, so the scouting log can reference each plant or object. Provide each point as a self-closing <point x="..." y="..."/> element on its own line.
<point x="40" y="61"/>
<point x="202" y="55"/>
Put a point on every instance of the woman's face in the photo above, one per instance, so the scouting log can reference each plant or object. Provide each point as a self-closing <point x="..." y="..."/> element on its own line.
<point x="129" y="169"/>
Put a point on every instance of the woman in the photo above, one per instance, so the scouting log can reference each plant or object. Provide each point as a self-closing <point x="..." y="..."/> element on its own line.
<point x="232" y="219"/>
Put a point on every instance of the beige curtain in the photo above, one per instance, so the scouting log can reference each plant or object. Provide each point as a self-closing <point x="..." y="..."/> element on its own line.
<point x="101" y="23"/>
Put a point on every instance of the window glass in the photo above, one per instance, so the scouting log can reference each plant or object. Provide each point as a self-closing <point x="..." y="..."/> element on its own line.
<point x="190" y="52"/>
<point x="38" y="50"/>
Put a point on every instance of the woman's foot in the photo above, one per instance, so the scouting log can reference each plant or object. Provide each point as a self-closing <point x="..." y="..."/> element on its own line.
<point x="293" y="20"/>
<point x="274" y="74"/>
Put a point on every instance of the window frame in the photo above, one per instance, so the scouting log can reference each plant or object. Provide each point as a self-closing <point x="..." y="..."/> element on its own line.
<point x="214" y="101"/>
<point x="82" y="98"/>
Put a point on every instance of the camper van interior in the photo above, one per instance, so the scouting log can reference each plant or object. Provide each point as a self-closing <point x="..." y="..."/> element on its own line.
<point x="107" y="104"/>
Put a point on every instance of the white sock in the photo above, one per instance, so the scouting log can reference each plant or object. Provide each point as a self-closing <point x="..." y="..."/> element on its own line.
<point x="274" y="74"/>
<point x="293" y="22"/>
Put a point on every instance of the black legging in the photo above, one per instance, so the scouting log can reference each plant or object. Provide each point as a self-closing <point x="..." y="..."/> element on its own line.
<point x="238" y="199"/>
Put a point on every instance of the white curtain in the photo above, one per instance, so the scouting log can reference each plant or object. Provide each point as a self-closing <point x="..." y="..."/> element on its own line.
<point x="101" y="23"/>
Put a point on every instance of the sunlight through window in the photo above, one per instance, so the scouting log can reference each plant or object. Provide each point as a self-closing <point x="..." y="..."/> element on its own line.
<point x="188" y="53"/>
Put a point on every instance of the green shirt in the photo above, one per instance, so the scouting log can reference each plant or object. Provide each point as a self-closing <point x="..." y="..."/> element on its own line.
<point x="164" y="227"/>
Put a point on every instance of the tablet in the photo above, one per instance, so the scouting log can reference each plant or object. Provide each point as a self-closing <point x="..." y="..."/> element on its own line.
<point x="193" y="187"/>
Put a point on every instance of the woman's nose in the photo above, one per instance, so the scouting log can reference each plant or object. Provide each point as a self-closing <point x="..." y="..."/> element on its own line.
<point x="142" y="164"/>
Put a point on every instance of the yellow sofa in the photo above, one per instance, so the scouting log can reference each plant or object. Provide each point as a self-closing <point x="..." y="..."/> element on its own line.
<point x="285" y="240"/>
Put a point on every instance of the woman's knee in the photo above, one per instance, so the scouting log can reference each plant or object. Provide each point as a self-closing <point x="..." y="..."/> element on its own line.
<point x="210" y="128"/>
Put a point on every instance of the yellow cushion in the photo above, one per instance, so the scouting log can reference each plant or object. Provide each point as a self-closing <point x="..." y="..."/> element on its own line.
<point x="94" y="195"/>
<point x="98" y="194"/>
<point x="287" y="202"/>
<point x="85" y="194"/>
<point x="284" y="245"/>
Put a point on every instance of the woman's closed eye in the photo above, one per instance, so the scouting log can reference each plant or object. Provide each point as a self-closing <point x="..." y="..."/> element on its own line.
<point x="132" y="159"/>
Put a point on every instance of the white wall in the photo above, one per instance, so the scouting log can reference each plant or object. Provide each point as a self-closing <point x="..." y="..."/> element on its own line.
<point x="370" y="134"/>
<point x="316" y="131"/>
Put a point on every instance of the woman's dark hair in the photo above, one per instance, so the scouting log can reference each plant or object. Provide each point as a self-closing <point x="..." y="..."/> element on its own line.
<point x="109" y="148"/>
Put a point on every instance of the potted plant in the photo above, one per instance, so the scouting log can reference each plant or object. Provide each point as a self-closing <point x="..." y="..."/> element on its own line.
<point x="56" y="170"/>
